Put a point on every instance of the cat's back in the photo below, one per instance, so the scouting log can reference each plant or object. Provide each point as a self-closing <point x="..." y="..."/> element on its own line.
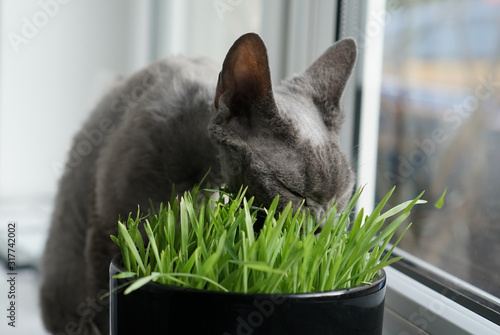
<point x="171" y="83"/>
<point x="124" y="132"/>
<point x="168" y="88"/>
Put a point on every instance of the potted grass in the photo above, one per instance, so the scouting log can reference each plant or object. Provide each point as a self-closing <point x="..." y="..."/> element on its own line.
<point x="201" y="268"/>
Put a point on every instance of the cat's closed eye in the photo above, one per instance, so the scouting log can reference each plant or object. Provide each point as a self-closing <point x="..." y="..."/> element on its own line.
<point x="293" y="192"/>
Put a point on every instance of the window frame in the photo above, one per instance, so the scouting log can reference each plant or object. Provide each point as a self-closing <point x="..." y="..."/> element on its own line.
<point x="467" y="295"/>
<point x="415" y="306"/>
<point x="420" y="297"/>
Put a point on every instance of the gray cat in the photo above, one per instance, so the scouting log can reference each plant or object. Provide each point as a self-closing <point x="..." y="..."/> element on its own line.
<point x="162" y="127"/>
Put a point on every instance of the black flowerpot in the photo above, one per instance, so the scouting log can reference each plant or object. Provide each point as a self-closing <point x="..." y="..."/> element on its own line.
<point x="162" y="309"/>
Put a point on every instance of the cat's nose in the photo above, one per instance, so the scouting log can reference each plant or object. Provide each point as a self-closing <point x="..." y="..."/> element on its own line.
<point x="322" y="215"/>
<point x="318" y="215"/>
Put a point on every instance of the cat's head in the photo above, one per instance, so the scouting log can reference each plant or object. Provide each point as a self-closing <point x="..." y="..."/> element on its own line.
<point x="283" y="141"/>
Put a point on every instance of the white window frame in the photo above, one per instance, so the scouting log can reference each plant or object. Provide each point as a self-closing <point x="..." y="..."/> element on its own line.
<point x="411" y="307"/>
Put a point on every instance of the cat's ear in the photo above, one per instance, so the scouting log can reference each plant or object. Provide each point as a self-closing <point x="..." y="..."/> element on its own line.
<point x="331" y="71"/>
<point x="326" y="79"/>
<point x="245" y="78"/>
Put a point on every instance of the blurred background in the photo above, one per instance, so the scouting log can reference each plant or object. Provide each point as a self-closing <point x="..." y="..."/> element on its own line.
<point x="440" y="128"/>
<point x="431" y="93"/>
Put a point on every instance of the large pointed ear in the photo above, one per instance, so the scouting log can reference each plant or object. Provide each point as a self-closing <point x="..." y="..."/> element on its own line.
<point x="245" y="79"/>
<point x="330" y="72"/>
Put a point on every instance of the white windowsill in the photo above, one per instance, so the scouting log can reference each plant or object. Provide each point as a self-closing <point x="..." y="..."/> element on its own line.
<point x="428" y="310"/>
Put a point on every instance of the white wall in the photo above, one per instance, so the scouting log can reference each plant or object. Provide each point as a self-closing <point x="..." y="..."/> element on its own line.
<point x="200" y="28"/>
<point x="56" y="59"/>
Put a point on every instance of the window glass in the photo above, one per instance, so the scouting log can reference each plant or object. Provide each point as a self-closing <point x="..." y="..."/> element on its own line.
<point x="440" y="128"/>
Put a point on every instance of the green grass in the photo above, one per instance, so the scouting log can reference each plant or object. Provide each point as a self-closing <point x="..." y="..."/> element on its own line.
<point x="211" y="245"/>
